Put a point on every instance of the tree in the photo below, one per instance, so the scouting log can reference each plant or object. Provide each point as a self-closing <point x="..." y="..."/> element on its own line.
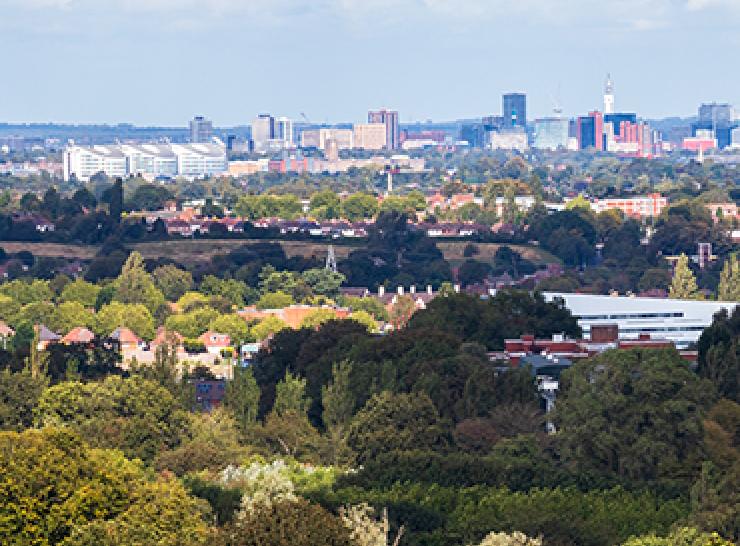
<point x="288" y="523"/>
<point x="402" y="311"/>
<point x="729" y="280"/>
<point x="514" y="539"/>
<point x="268" y="326"/>
<point x="172" y="281"/>
<point x="473" y="272"/>
<point x="359" y="206"/>
<point x="19" y="394"/>
<point x="290" y="396"/>
<point x="136" y="317"/>
<point x="194" y="323"/>
<point x="683" y="285"/>
<point x="633" y="413"/>
<point x="133" y="414"/>
<point x="366" y="319"/>
<point x="719" y="354"/>
<point x="242" y="397"/>
<point x="80" y="291"/>
<point x="274" y="300"/>
<point x="233" y="325"/>
<point x="318" y="317"/>
<point x="323" y="282"/>
<point x="115" y="201"/>
<point x="682" y="537"/>
<point x="400" y="422"/>
<point x="149" y="197"/>
<point x="134" y="285"/>
<point x="69" y="315"/>
<point x="325" y="205"/>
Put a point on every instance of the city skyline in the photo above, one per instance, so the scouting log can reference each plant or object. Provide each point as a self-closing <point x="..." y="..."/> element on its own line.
<point x="161" y="61"/>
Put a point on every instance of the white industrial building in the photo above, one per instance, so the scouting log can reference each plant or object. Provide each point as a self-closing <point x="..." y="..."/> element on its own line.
<point x="150" y="161"/>
<point x="680" y="321"/>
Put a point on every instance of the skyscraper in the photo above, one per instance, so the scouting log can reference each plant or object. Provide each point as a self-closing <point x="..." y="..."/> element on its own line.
<point x="390" y="119"/>
<point x="263" y="131"/>
<point x="590" y="131"/>
<point x="284" y="131"/>
<point x="608" y="95"/>
<point x="201" y="130"/>
<point x="719" y="119"/>
<point x="515" y="110"/>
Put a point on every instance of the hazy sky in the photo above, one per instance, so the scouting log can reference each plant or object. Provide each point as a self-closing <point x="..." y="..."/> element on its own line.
<point x="162" y="61"/>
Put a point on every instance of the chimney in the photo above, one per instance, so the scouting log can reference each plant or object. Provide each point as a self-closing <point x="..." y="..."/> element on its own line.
<point x="400" y="290"/>
<point x="412" y="290"/>
<point x="381" y="291"/>
<point x="457" y="288"/>
<point x="429" y="289"/>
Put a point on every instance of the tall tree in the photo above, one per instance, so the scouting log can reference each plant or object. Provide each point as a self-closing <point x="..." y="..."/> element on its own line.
<point x="243" y="397"/>
<point x="729" y="280"/>
<point x="116" y="201"/>
<point x="684" y="285"/>
<point x="290" y="396"/>
<point x="135" y="285"/>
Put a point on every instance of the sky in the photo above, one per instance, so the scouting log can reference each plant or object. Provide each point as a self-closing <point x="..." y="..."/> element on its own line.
<point x="159" y="62"/>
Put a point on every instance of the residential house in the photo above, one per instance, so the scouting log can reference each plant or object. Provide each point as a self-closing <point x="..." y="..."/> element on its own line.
<point x="79" y="335"/>
<point x="215" y="342"/>
<point x="45" y="337"/>
<point x="6" y="333"/>
<point x="127" y="340"/>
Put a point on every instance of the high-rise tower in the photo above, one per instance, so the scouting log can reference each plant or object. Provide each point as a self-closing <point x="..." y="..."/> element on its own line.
<point x="609" y="95"/>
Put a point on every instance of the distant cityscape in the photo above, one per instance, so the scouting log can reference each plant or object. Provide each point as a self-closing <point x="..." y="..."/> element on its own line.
<point x="273" y="143"/>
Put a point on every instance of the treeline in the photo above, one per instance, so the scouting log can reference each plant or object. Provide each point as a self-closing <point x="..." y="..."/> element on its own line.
<point x="337" y="436"/>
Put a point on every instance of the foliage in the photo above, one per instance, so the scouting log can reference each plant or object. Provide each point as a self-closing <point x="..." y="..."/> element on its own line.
<point x="683" y="285"/>
<point x="719" y="354"/>
<point x="233" y="325"/>
<point x="242" y="397"/>
<point x="729" y="283"/>
<point x="267" y="326"/>
<point x="80" y="291"/>
<point x="132" y="414"/>
<point x="633" y="413"/>
<point x="514" y="539"/>
<point x="194" y="323"/>
<point x="294" y="523"/>
<point x="681" y="537"/>
<point x="317" y="317"/>
<point x="135" y="317"/>
<point x="274" y="300"/>
<point x="172" y="281"/>
<point x="290" y="396"/>
<point x="135" y="286"/>
<point x="19" y="394"/>
<point x="396" y="422"/>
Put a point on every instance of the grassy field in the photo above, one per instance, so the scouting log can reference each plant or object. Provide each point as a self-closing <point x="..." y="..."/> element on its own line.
<point x="201" y="250"/>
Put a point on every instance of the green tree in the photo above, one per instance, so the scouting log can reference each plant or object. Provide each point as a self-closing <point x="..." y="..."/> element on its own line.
<point x="514" y="539"/>
<point x="683" y="285"/>
<point x="287" y="523"/>
<point x="682" y="537"/>
<point x="290" y="396"/>
<point x="136" y="317"/>
<point x="172" y="281"/>
<point x="274" y="300"/>
<point x="134" y="285"/>
<point x="318" y="317"/>
<point x="401" y="422"/>
<point x="27" y="291"/>
<point x="325" y="205"/>
<point x="133" y="414"/>
<point x="194" y="323"/>
<point x="267" y="326"/>
<point x="234" y="325"/>
<point x="159" y="513"/>
<point x="242" y="397"/>
<point x="115" y="201"/>
<point x="323" y="282"/>
<point x="19" y="394"/>
<point x="719" y="353"/>
<point x="366" y="319"/>
<point x="633" y="413"/>
<point x="359" y="206"/>
<point x="82" y="292"/>
<point x="339" y="404"/>
<point x="68" y="315"/>
<point x="729" y="280"/>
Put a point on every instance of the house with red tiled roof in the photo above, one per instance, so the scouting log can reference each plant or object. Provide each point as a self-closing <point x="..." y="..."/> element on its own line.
<point x="167" y="337"/>
<point x="127" y="339"/>
<point x="78" y="335"/>
<point x="215" y="342"/>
